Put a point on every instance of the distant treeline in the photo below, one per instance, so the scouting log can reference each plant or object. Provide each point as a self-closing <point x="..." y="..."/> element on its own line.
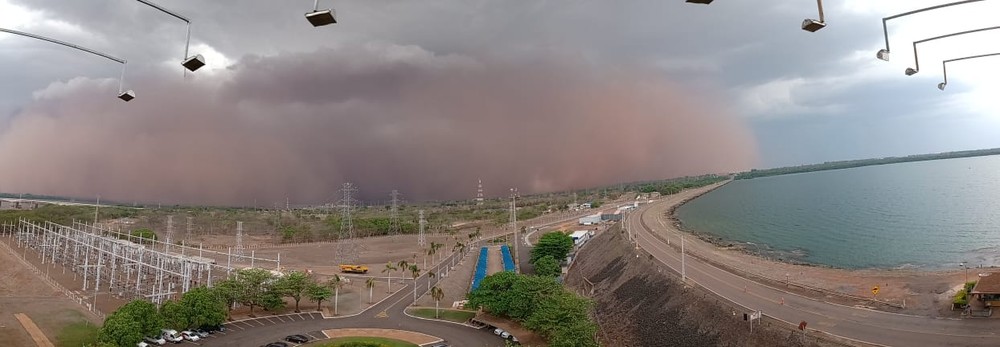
<point x="846" y="164"/>
<point x="675" y="186"/>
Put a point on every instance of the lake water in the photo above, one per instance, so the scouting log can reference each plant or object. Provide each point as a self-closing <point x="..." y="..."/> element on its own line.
<point x="928" y="215"/>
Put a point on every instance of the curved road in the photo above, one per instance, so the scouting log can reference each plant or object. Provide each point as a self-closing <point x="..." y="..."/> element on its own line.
<point x="271" y="328"/>
<point x="649" y="225"/>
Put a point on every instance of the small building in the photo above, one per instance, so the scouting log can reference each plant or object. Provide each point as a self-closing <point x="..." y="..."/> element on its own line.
<point x="590" y="220"/>
<point x="581" y="236"/>
<point x="611" y="217"/>
<point x="987" y="289"/>
<point x="585" y="205"/>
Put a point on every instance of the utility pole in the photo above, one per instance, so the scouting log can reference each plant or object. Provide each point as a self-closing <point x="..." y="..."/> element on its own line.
<point x="347" y="252"/>
<point x="421" y="239"/>
<point x="97" y="208"/>
<point x="394" y="227"/>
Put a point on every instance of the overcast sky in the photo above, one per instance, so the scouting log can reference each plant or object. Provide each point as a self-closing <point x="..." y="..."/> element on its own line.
<point x="427" y="96"/>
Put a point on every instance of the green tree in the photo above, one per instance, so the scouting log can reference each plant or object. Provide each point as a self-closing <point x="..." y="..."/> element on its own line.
<point x="548" y="266"/>
<point x="555" y="244"/>
<point x="370" y="284"/>
<point x="437" y="294"/>
<point x="557" y="310"/>
<point x="204" y="306"/>
<point x="415" y="272"/>
<point x="294" y="285"/>
<point x="228" y="291"/>
<point x="317" y="293"/>
<point x="528" y="291"/>
<point x="254" y="287"/>
<point x="127" y="325"/>
<point x="175" y="315"/>
<point x="336" y="282"/>
<point x="389" y="267"/>
<point x="494" y="293"/>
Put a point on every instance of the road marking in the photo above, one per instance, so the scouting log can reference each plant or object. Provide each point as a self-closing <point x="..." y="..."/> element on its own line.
<point x="269" y="320"/>
<point x="382" y="314"/>
<point x="279" y="318"/>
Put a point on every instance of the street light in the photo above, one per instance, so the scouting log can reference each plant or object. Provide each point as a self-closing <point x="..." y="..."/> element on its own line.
<point x="192" y="63"/>
<point x="811" y="25"/>
<point x="320" y="18"/>
<point x="944" y="66"/>
<point x="703" y="2"/>
<point x="916" y="62"/>
<point x="962" y="265"/>
<point x="883" y="54"/>
<point x="124" y="95"/>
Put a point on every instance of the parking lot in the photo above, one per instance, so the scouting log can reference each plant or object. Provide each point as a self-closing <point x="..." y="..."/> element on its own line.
<point x="253" y="324"/>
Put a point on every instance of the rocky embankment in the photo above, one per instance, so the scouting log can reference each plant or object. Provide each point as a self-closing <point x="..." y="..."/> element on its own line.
<point x="638" y="302"/>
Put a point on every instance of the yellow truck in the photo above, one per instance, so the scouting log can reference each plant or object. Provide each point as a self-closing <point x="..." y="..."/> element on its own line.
<point x="355" y="269"/>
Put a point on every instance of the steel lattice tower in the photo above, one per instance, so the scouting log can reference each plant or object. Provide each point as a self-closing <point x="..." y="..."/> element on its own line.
<point x="190" y="226"/>
<point x="170" y="232"/>
<point x="347" y="247"/>
<point x="238" y="251"/>
<point x="479" y="193"/>
<point x="421" y="239"/>
<point x="394" y="227"/>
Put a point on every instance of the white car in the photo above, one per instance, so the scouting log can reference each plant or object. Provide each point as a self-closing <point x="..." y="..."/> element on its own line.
<point x="505" y="335"/>
<point x="142" y="344"/>
<point x="190" y="335"/>
<point x="498" y="332"/>
<point x="149" y="340"/>
<point x="171" y="335"/>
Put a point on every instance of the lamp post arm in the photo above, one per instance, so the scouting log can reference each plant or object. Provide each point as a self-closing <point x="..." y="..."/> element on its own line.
<point x="944" y="68"/>
<point x="972" y="57"/>
<point x="916" y="58"/>
<point x="67" y="44"/>
<point x="147" y="2"/>
<point x="315" y="5"/>
<point x="885" y="30"/>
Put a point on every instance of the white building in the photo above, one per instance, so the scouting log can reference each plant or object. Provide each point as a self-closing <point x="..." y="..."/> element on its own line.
<point x="590" y="220"/>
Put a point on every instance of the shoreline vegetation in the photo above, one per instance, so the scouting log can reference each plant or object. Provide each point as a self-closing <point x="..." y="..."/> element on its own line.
<point x="847" y="164"/>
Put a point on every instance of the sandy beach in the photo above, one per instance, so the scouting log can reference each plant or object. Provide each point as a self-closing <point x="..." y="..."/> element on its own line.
<point x="926" y="293"/>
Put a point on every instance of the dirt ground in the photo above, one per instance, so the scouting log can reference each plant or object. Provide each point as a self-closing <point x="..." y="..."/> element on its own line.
<point x="22" y="291"/>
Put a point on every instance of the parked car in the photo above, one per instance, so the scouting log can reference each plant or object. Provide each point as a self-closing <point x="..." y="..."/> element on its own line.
<point x="142" y="344"/>
<point x="297" y="338"/>
<point x="171" y="335"/>
<point x="154" y="340"/>
<point x="276" y="344"/>
<point x="439" y="345"/>
<point x="498" y="332"/>
<point x="211" y="329"/>
<point x="190" y="335"/>
<point x="505" y="335"/>
<point x="200" y="332"/>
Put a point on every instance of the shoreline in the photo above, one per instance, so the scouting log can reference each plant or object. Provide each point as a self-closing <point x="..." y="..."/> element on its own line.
<point x="917" y="291"/>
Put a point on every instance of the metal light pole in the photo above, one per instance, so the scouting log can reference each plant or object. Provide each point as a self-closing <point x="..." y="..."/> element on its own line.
<point x="944" y="66"/>
<point x="883" y="54"/>
<point x="191" y="63"/>
<point x="916" y="61"/>
<point x="126" y="96"/>
<point x="683" y="269"/>
<point x="962" y="264"/>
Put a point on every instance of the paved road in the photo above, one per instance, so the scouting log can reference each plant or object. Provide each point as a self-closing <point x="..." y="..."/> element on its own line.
<point x="649" y="226"/>
<point x="262" y="330"/>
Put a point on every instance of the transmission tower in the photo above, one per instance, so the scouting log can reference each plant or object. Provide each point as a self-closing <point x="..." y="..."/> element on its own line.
<point x="170" y="232"/>
<point x="190" y="226"/>
<point x="421" y="239"/>
<point x="238" y="252"/>
<point x="513" y="223"/>
<point x="347" y="247"/>
<point x="394" y="228"/>
<point x="479" y="193"/>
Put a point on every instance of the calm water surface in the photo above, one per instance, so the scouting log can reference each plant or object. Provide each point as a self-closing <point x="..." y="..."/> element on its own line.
<point x="930" y="215"/>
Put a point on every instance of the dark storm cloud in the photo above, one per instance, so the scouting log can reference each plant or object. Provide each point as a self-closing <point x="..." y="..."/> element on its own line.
<point x="427" y="125"/>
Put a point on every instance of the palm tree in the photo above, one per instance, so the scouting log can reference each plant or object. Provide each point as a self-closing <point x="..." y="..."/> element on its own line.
<point x="370" y="283"/>
<point x="430" y="275"/>
<point x="437" y="294"/>
<point x="415" y="271"/>
<point x="389" y="268"/>
<point x="436" y="247"/>
<point x="336" y="282"/>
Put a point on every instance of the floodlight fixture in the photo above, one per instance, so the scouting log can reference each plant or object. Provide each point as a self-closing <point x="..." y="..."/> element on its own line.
<point x="320" y="18"/>
<point x="704" y="2"/>
<point x="811" y="25"/>
<point x="192" y="63"/>
<point x="124" y="95"/>
<point x="883" y="54"/>
<point x="944" y="66"/>
<point x="916" y="61"/>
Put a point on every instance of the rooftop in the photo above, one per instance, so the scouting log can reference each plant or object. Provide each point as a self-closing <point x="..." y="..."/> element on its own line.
<point x="989" y="283"/>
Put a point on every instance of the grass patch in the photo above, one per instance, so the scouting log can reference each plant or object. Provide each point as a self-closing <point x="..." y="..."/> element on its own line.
<point x="77" y="334"/>
<point x="364" y="341"/>
<point x="459" y="316"/>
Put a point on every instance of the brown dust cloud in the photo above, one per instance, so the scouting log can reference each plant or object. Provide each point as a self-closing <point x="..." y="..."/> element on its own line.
<point x="382" y="117"/>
